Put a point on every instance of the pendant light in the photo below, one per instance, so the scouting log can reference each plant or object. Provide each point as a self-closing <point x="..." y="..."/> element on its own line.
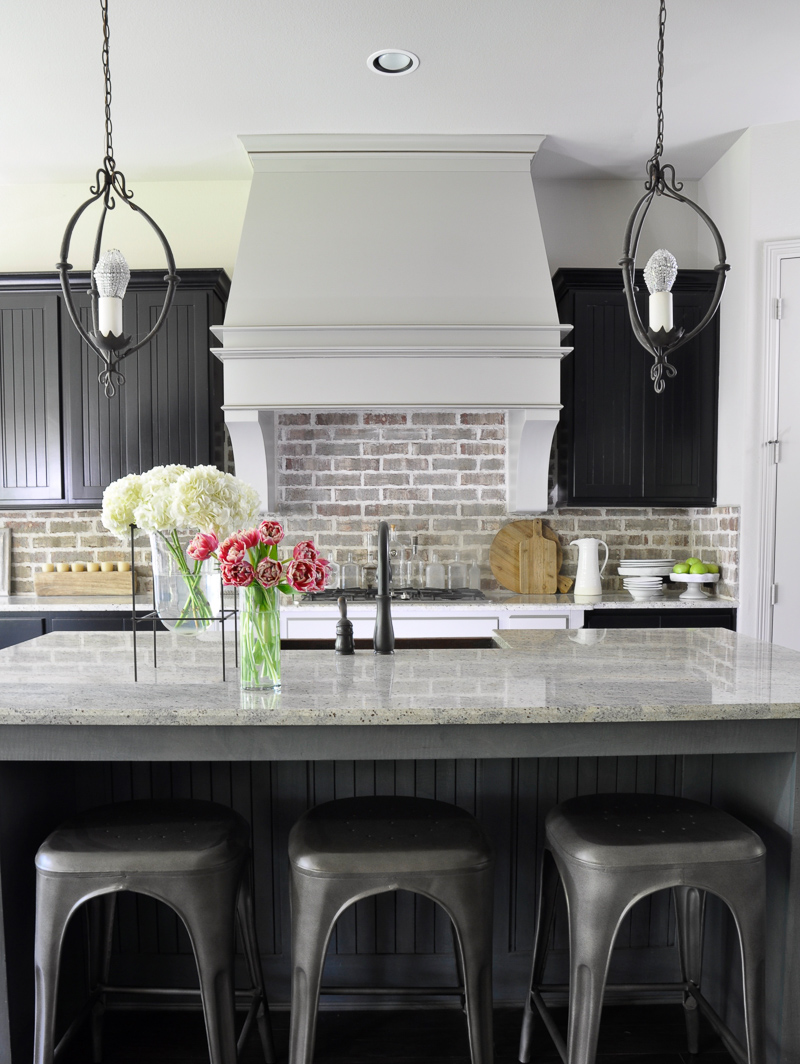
<point x="660" y="338"/>
<point x="110" y="274"/>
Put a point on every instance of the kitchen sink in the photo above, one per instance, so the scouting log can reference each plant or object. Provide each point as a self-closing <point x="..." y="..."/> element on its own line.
<point x="473" y="643"/>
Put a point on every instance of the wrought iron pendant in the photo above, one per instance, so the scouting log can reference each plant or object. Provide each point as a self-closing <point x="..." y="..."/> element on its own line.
<point x="110" y="346"/>
<point x="661" y="181"/>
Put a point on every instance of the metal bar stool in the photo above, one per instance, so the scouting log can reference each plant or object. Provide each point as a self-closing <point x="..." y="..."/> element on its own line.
<point x="342" y="851"/>
<point x="609" y="851"/>
<point x="192" y="855"/>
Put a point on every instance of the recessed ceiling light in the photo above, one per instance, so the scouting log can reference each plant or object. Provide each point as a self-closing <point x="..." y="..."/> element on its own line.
<point x="393" y="61"/>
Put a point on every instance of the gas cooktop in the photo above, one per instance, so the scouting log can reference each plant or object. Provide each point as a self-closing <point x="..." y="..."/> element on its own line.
<point x="401" y="594"/>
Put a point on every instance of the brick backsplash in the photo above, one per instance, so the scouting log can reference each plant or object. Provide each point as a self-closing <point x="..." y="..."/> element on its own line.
<point x="439" y="474"/>
<point x="66" y="536"/>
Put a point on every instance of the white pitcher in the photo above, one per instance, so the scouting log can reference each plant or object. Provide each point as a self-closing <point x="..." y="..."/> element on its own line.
<point x="587" y="582"/>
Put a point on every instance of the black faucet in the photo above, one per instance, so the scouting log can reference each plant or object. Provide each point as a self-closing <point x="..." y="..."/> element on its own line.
<point x="383" y="639"/>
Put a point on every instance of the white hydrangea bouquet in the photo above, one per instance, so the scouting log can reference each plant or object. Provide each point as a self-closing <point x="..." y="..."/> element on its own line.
<point x="168" y="500"/>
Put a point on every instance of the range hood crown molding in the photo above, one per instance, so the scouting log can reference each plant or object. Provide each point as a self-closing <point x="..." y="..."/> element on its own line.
<point x="389" y="250"/>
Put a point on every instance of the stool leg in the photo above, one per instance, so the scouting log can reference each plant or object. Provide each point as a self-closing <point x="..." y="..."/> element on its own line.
<point x="56" y="899"/>
<point x="209" y="912"/>
<point x="689" y="906"/>
<point x="469" y="901"/>
<point x="546" y="905"/>
<point x="594" y="914"/>
<point x="748" y="904"/>
<point x="316" y="902"/>
<point x="105" y="907"/>
<point x="248" y="926"/>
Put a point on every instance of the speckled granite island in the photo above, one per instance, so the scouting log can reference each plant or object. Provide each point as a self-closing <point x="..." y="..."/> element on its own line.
<point x="506" y="732"/>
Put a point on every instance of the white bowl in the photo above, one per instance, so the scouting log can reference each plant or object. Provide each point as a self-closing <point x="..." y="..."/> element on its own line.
<point x="694" y="578"/>
<point x="645" y="570"/>
<point x="646" y="561"/>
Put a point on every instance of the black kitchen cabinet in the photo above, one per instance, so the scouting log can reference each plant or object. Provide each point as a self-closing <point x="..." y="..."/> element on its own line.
<point x="618" y="442"/>
<point x="18" y="627"/>
<point x="169" y="409"/>
<point x="706" y="617"/>
<point x="30" y="398"/>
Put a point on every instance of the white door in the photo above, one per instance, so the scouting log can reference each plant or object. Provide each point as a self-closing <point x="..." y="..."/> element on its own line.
<point x="786" y="611"/>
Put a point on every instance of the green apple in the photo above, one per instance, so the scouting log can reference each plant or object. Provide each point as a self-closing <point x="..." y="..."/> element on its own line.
<point x="681" y="567"/>
<point x="693" y="561"/>
<point x="712" y="568"/>
<point x="698" y="569"/>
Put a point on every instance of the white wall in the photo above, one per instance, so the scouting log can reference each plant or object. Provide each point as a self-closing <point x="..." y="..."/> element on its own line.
<point x="752" y="195"/>
<point x="584" y="222"/>
<point x="201" y="219"/>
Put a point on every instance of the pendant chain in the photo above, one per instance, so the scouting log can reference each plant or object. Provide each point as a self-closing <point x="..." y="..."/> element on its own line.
<point x="659" y="148"/>
<point x="109" y="157"/>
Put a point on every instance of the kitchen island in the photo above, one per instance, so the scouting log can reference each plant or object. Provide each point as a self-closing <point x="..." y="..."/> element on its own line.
<point x="505" y="731"/>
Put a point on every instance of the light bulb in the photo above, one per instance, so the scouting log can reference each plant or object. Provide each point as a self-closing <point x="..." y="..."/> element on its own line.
<point x="659" y="276"/>
<point x="660" y="271"/>
<point x="111" y="275"/>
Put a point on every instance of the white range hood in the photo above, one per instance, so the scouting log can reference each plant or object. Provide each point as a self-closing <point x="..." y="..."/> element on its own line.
<point x="393" y="271"/>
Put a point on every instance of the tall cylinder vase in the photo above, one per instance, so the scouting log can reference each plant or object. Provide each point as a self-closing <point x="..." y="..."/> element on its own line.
<point x="259" y="639"/>
<point x="187" y="594"/>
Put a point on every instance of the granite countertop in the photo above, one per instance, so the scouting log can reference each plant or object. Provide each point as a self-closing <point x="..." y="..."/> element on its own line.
<point x="82" y="678"/>
<point x="505" y="599"/>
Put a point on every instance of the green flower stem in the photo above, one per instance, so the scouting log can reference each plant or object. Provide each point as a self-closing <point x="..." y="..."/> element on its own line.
<point x="259" y="638"/>
<point x="197" y="607"/>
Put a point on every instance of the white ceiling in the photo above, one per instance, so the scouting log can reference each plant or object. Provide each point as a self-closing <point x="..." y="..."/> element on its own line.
<point x="190" y="75"/>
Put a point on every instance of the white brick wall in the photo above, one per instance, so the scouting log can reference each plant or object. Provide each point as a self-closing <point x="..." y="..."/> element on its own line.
<point x="439" y="474"/>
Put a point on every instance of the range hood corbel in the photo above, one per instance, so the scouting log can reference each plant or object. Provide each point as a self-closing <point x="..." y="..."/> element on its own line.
<point x="381" y="272"/>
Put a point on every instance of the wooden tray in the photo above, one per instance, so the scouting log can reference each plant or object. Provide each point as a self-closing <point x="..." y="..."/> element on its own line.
<point x="54" y="584"/>
<point x="526" y="557"/>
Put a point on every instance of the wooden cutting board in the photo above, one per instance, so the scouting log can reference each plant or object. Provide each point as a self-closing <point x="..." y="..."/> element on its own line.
<point x="55" y="584"/>
<point x="526" y="557"/>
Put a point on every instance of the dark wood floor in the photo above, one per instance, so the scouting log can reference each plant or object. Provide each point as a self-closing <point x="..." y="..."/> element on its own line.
<point x="654" y="1034"/>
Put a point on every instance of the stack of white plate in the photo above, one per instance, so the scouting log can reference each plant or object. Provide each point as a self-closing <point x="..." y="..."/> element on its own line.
<point x="644" y="577"/>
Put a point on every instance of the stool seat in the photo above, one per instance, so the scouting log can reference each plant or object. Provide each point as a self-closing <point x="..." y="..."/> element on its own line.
<point x="631" y="830"/>
<point x="385" y="835"/>
<point x="171" y="836"/>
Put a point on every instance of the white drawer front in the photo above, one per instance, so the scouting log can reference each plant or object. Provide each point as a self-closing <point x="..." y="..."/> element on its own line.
<point x="514" y="620"/>
<point x="404" y="627"/>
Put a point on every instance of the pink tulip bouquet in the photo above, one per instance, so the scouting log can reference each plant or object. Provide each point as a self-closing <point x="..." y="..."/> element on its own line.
<point x="249" y="560"/>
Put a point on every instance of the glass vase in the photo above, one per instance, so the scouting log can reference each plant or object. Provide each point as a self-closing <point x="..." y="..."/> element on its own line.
<point x="186" y="593"/>
<point x="259" y="639"/>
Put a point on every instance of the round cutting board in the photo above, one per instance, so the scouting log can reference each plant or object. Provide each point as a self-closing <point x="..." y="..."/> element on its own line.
<point x="504" y="553"/>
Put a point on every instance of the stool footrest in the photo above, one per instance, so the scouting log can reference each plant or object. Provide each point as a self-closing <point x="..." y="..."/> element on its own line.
<point x="550" y="1024"/>
<point x="377" y="990"/>
<point x="732" y="1044"/>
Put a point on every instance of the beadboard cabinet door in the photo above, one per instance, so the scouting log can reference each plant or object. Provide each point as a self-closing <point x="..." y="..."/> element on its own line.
<point x="30" y="415"/>
<point x="161" y="415"/>
<point x="63" y="440"/>
<point x="619" y="442"/>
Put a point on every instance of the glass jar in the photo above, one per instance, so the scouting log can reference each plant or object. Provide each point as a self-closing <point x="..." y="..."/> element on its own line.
<point x="434" y="573"/>
<point x="456" y="574"/>
<point x="350" y="575"/>
<point x="187" y="593"/>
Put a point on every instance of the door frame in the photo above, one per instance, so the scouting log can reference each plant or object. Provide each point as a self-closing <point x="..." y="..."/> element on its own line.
<point x="774" y="254"/>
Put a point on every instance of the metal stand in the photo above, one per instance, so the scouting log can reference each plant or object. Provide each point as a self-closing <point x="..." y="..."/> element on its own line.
<point x="154" y="616"/>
